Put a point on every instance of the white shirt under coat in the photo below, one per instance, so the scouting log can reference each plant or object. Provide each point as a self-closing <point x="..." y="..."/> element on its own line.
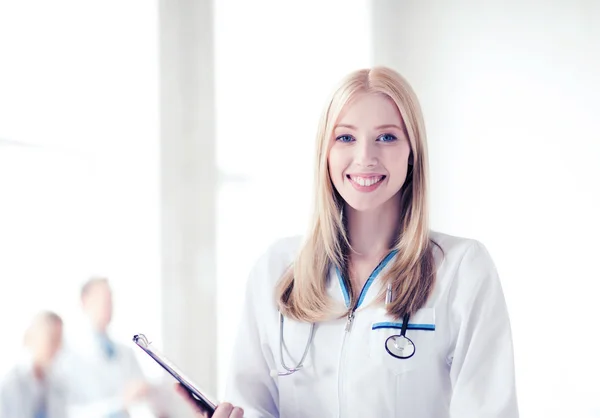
<point x="463" y="366"/>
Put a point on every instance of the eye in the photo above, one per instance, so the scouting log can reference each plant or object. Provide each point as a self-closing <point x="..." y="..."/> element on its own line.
<point x="344" y="138"/>
<point x="386" y="138"/>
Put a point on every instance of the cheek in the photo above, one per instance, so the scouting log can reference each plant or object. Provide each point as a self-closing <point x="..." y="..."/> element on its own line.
<point x="399" y="170"/>
<point x="397" y="162"/>
<point x="397" y="167"/>
<point x="331" y="164"/>
<point x="335" y="162"/>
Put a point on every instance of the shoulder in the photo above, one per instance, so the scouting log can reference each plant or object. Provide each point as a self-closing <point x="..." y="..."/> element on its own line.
<point x="454" y="250"/>
<point x="269" y="268"/>
<point x="465" y="266"/>
<point x="11" y="381"/>
<point x="276" y="259"/>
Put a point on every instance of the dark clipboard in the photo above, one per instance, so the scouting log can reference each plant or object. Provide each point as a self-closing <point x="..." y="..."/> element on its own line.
<point x="202" y="401"/>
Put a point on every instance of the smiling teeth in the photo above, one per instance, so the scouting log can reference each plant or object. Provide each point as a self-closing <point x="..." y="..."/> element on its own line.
<point x="366" y="181"/>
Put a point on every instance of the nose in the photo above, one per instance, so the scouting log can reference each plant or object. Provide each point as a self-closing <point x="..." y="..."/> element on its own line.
<point x="366" y="154"/>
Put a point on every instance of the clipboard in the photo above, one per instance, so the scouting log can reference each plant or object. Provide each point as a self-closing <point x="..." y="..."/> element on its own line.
<point x="202" y="401"/>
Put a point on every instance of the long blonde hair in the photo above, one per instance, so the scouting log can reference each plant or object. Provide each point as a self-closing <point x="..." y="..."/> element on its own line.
<point x="301" y="293"/>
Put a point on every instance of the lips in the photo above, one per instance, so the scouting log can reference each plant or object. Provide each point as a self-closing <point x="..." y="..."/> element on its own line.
<point x="365" y="181"/>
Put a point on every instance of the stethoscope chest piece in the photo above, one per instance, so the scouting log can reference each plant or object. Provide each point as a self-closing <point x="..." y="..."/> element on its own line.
<point x="400" y="346"/>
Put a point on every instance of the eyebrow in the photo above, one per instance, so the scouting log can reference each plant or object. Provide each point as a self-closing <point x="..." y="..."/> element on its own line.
<point x="344" y="125"/>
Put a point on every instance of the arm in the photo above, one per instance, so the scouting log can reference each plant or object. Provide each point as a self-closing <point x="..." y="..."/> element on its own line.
<point x="250" y="384"/>
<point x="481" y="357"/>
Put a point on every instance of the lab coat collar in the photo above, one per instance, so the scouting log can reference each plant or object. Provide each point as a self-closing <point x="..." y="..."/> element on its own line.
<point x="372" y="287"/>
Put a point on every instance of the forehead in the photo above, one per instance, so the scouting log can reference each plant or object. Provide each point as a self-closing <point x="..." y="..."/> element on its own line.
<point x="368" y="110"/>
<point x="98" y="288"/>
<point x="47" y="326"/>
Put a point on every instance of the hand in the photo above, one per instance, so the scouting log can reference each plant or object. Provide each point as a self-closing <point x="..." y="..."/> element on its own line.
<point x="135" y="391"/>
<point x="224" y="410"/>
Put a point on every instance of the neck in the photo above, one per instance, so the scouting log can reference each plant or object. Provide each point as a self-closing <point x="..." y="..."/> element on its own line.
<point x="98" y="327"/>
<point x="39" y="371"/>
<point x="372" y="233"/>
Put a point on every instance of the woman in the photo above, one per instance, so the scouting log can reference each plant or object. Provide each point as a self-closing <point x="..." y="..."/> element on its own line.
<point x="407" y="322"/>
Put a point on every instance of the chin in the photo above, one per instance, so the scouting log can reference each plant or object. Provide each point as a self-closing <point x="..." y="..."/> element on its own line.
<point x="363" y="205"/>
<point x="370" y="203"/>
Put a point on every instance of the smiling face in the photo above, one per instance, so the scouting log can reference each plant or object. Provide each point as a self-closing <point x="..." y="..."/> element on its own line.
<point x="369" y="154"/>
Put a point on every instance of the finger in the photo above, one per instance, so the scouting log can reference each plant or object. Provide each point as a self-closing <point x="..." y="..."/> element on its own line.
<point x="223" y="410"/>
<point x="237" y="413"/>
<point x="181" y="390"/>
<point x="185" y="394"/>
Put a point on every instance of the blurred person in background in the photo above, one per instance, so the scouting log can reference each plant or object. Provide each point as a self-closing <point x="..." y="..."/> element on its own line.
<point x="31" y="389"/>
<point x="104" y="379"/>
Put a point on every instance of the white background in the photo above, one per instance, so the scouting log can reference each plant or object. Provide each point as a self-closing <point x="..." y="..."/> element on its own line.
<point x="510" y="95"/>
<point x="78" y="162"/>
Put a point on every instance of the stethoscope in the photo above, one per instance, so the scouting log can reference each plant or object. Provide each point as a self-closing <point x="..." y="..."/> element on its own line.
<point x="291" y="370"/>
<point x="398" y="346"/>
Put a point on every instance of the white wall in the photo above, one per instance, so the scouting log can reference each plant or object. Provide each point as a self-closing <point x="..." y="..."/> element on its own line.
<point x="78" y="162"/>
<point x="510" y="96"/>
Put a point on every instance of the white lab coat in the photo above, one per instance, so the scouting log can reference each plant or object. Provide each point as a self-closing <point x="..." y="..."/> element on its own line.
<point x="462" y="368"/>
<point x="96" y="384"/>
<point x="21" y="392"/>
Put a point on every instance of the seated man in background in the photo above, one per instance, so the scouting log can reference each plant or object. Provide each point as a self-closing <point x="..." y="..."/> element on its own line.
<point x="30" y="390"/>
<point x="104" y="378"/>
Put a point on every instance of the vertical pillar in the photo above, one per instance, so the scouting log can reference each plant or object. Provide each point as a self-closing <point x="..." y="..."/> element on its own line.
<point x="188" y="187"/>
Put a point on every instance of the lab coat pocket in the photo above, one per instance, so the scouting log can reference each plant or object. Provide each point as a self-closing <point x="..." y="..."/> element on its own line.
<point x="420" y="330"/>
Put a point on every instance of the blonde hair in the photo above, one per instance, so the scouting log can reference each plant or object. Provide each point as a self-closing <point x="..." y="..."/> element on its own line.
<point x="302" y="291"/>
